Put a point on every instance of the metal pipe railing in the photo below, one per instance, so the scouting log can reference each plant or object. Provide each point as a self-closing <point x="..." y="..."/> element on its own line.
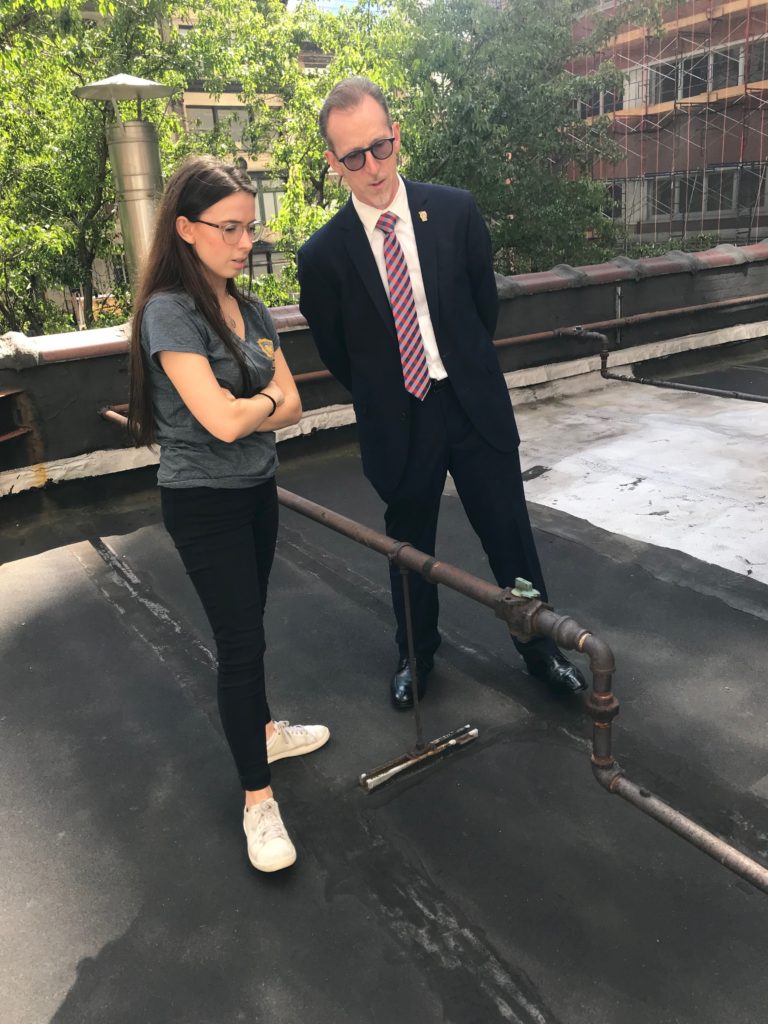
<point x="584" y="330"/>
<point x="111" y="414"/>
<point x="588" y="335"/>
<point x="614" y="781"/>
<point x="527" y="617"/>
<point x="633" y="319"/>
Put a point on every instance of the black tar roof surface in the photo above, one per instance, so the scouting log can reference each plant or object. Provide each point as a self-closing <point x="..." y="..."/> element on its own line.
<point x="501" y="884"/>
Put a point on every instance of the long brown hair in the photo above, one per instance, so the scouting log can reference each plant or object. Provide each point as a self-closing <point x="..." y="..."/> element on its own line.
<point x="173" y="264"/>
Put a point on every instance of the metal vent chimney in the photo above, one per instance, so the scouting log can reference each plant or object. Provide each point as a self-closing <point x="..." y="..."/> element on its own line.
<point x="135" y="157"/>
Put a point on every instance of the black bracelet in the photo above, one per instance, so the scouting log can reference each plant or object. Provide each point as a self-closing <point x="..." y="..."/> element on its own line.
<point x="271" y="399"/>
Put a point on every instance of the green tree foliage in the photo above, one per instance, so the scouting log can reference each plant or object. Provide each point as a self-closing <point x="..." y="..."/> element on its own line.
<point x="481" y="93"/>
<point x="492" y="107"/>
<point x="485" y="103"/>
<point x="362" y="40"/>
<point x="57" y="207"/>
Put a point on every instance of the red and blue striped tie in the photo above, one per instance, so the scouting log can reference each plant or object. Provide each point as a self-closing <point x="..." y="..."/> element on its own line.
<point x="415" y="370"/>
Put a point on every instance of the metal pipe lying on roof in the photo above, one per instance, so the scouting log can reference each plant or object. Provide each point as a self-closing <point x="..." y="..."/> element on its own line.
<point x="614" y="780"/>
<point x="527" y="617"/>
<point x="587" y="335"/>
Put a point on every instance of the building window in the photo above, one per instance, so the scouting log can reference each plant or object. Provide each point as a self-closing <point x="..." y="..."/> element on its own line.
<point x="614" y="200"/>
<point x="269" y="195"/>
<point x="234" y="120"/>
<point x="694" y="76"/>
<point x="691" y="193"/>
<point x="612" y="101"/>
<point x="600" y="102"/>
<point x="752" y="187"/>
<point x="721" y="190"/>
<point x="659" y="196"/>
<point x="726" y="68"/>
<point x="712" y="191"/>
<point x="591" y="106"/>
<point x="200" y="119"/>
<point x="756" y="59"/>
<point x="700" y="73"/>
<point x="663" y="83"/>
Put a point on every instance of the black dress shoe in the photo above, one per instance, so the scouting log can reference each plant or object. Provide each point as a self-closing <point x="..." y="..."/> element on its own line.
<point x="401" y="685"/>
<point x="554" y="668"/>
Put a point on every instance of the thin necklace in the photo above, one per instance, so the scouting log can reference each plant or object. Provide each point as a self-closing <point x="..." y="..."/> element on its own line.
<point x="229" y="319"/>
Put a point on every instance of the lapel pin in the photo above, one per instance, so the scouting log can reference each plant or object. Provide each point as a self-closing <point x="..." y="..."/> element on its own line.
<point x="423" y="215"/>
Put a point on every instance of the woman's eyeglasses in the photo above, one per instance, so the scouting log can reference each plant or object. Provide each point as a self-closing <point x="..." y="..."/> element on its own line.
<point x="379" y="150"/>
<point x="232" y="231"/>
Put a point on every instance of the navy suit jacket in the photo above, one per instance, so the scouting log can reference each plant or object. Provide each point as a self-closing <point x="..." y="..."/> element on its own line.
<point x="347" y="308"/>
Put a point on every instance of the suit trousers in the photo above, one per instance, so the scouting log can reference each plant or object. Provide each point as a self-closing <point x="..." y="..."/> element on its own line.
<point x="490" y="487"/>
<point x="226" y="539"/>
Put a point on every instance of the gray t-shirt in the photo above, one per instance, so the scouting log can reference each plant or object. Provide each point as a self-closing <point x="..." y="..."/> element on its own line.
<point x="189" y="455"/>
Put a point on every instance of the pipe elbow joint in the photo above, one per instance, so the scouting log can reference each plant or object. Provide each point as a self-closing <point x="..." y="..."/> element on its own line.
<point x="607" y="772"/>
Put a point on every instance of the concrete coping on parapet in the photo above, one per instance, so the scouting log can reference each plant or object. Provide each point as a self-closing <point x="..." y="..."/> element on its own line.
<point x="622" y="268"/>
<point x="18" y="352"/>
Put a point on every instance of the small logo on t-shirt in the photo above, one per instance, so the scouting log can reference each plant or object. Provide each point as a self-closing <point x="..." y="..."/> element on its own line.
<point x="267" y="347"/>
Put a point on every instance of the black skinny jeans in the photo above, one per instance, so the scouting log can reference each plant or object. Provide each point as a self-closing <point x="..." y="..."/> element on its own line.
<point x="226" y="539"/>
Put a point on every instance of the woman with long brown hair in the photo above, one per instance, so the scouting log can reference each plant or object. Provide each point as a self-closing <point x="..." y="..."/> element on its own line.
<point x="210" y="385"/>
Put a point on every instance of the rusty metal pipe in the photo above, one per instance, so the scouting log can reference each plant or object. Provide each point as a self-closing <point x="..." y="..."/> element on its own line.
<point x="636" y="318"/>
<point x="601" y="703"/>
<point x="288" y="319"/>
<point x="110" y="413"/>
<point x="671" y="385"/>
<point x="612" y="778"/>
<point x="588" y="335"/>
<point x="526" y="616"/>
<point x="312" y="376"/>
<point x="401" y="554"/>
<point x="616" y="322"/>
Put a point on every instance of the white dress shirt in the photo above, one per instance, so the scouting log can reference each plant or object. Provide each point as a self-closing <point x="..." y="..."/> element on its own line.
<point x="369" y="216"/>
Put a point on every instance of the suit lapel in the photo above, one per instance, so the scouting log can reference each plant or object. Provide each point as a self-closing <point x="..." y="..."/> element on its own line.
<point x="424" y="232"/>
<point x="360" y="254"/>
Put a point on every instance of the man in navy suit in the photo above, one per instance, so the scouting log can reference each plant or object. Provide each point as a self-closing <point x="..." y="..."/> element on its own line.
<point x="434" y="339"/>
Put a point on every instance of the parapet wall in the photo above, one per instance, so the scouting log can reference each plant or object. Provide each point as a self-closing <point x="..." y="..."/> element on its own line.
<point x="51" y="387"/>
<point x="634" y="302"/>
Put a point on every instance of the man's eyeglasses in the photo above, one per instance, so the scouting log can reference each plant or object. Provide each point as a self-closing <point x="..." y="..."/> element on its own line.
<point x="379" y="150"/>
<point x="232" y="231"/>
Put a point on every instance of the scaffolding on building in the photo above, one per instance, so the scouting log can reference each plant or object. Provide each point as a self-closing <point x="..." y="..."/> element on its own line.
<point x="691" y="122"/>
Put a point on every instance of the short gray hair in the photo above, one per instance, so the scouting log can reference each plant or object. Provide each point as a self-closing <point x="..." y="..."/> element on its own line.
<point x="348" y="94"/>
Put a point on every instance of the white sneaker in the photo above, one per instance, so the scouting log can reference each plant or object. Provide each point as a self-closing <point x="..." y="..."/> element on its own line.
<point x="292" y="740"/>
<point x="269" y="848"/>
